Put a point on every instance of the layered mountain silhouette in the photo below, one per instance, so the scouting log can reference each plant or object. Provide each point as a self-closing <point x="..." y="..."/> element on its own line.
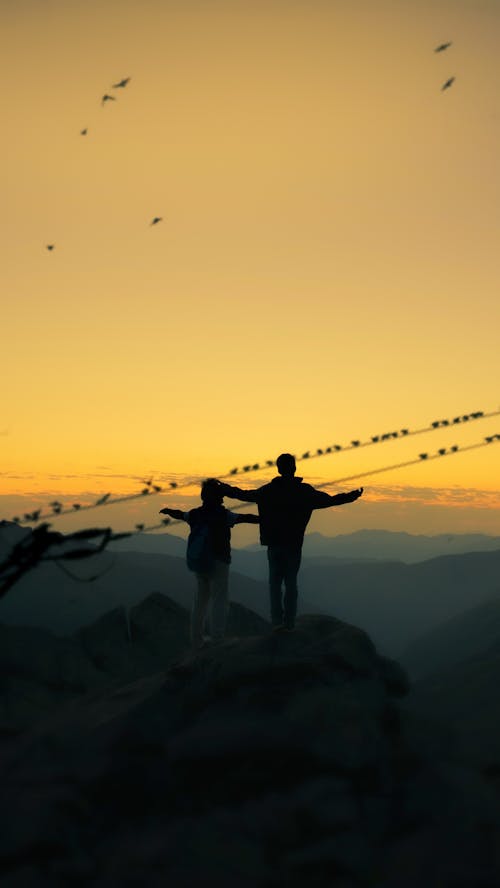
<point x="393" y="601"/>
<point x="465" y="698"/>
<point x="456" y="668"/>
<point x="470" y="634"/>
<point x="49" y="598"/>
<point x="363" y="545"/>
<point x="41" y="672"/>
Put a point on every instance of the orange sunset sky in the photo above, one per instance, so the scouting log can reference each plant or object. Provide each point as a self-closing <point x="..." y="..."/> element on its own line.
<point x="326" y="268"/>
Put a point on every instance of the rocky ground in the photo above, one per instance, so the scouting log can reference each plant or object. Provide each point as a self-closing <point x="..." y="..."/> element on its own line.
<point x="271" y="759"/>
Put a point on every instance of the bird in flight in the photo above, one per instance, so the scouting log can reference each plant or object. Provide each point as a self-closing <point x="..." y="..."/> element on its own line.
<point x="103" y="499"/>
<point x="448" y="83"/>
<point x="107" y="98"/>
<point x="442" y="46"/>
<point x="83" y="132"/>
<point x="156" y="220"/>
<point x="50" y="246"/>
<point x="121" y="83"/>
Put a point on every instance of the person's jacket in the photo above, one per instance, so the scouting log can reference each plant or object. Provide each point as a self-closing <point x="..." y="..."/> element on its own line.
<point x="285" y="506"/>
<point x="219" y="521"/>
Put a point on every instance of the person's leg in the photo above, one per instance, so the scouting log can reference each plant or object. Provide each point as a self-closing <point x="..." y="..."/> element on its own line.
<point x="200" y="607"/>
<point x="275" y="559"/>
<point x="220" y="603"/>
<point x="291" y="568"/>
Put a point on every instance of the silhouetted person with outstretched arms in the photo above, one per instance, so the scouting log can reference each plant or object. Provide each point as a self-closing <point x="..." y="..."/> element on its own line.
<point x="285" y="507"/>
<point x="208" y="555"/>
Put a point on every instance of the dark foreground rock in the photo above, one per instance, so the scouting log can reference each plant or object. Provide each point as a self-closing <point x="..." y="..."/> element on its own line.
<point x="278" y="759"/>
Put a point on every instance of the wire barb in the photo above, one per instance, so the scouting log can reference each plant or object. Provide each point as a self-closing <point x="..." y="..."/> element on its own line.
<point x="152" y="489"/>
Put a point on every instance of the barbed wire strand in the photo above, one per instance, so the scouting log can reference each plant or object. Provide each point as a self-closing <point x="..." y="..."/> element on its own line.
<point x="152" y="489"/>
<point x="422" y="458"/>
<point x="27" y="553"/>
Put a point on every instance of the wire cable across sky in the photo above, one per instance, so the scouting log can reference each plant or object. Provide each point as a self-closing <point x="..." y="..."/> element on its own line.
<point x="151" y="488"/>
<point x="422" y="458"/>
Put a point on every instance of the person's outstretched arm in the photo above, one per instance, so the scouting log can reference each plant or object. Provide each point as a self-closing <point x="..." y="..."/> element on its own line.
<point x="247" y="519"/>
<point x="323" y="500"/>
<point x="248" y="496"/>
<point x="174" y="513"/>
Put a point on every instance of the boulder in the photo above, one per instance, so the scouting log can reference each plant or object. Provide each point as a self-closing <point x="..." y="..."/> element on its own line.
<point x="279" y="758"/>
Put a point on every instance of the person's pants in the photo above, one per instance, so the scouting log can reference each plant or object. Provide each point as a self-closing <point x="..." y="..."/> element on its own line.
<point x="284" y="562"/>
<point x="212" y="587"/>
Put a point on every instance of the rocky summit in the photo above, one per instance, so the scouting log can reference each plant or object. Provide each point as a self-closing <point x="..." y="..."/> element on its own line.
<point x="267" y="760"/>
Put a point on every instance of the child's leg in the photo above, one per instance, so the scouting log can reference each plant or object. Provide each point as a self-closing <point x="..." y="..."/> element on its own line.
<point x="200" y="607"/>
<point x="220" y="602"/>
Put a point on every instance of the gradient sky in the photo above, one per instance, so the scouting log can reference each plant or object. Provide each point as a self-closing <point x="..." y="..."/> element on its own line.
<point x="326" y="269"/>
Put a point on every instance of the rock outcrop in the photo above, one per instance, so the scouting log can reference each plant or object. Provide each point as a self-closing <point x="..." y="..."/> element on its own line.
<point x="276" y="759"/>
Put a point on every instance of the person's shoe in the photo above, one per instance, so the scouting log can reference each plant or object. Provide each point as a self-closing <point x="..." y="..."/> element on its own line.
<point x="278" y="627"/>
<point x="289" y="627"/>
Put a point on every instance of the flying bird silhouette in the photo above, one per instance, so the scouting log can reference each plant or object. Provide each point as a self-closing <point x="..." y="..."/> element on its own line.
<point x="121" y="83"/>
<point x="107" y="98"/>
<point x="156" y="220"/>
<point x="83" y="132"/>
<point x="447" y="84"/>
<point x="50" y="246"/>
<point x="442" y="46"/>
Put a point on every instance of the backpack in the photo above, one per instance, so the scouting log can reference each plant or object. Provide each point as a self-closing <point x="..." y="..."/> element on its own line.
<point x="199" y="554"/>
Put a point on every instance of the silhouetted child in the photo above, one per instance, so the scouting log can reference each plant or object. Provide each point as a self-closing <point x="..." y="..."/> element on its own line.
<point x="208" y="555"/>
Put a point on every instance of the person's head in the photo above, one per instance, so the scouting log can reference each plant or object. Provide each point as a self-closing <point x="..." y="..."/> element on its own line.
<point x="211" y="492"/>
<point x="286" y="465"/>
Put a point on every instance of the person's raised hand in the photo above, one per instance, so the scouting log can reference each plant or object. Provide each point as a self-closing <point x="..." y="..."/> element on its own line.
<point x="164" y="512"/>
<point x="355" y="494"/>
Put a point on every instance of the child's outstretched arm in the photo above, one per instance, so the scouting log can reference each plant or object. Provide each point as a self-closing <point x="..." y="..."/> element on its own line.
<point x="174" y="513"/>
<point x="247" y="519"/>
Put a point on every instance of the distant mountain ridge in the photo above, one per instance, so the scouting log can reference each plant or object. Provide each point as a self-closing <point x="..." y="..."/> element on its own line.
<point x="384" y="545"/>
<point x="41" y="671"/>
<point x="362" y="545"/>
<point x="393" y="601"/>
<point x="397" y="602"/>
<point x="470" y="634"/>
